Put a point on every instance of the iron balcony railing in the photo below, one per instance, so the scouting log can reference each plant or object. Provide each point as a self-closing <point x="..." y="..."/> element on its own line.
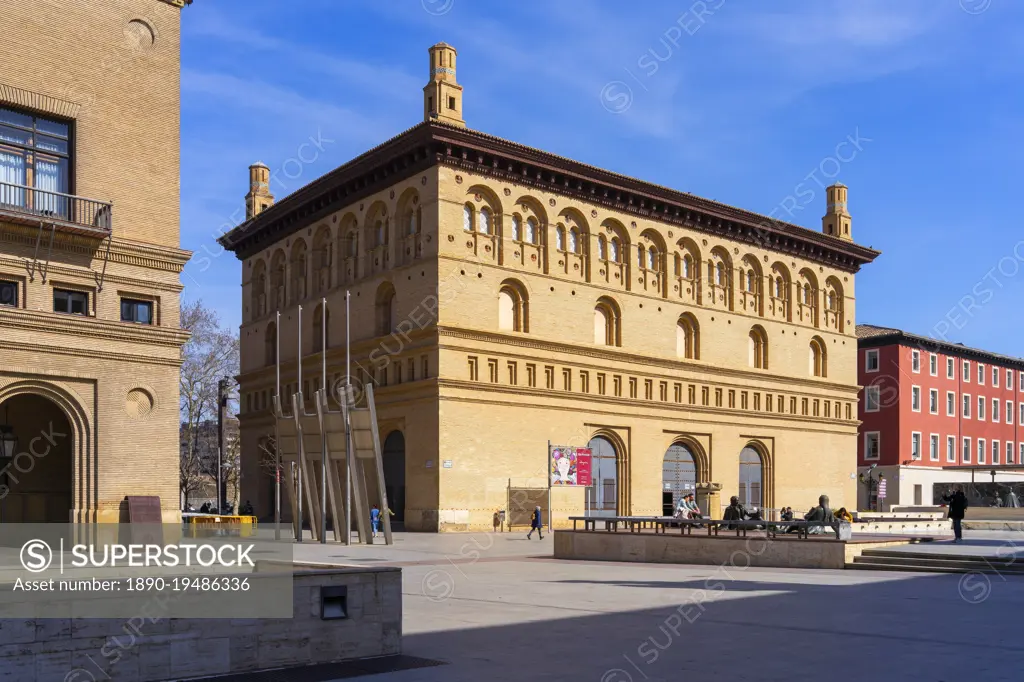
<point x="78" y="214"/>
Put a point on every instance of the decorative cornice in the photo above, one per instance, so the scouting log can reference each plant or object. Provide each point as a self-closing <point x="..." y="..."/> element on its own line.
<point x="744" y="377"/>
<point x="724" y="412"/>
<point x="177" y="3"/>
<point x="152" y="256"/>
<point x="433" y="143"/>
<point x="91" y="354"/>
<point x="37" y="101"/>
<point x="79" y="326"/>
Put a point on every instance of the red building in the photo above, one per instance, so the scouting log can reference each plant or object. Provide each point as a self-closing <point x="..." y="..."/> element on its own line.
<point x="929" y="404"/>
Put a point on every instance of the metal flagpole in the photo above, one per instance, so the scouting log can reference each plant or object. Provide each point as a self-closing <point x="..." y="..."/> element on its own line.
<point x="298" y="405"/>
<point x="348" y="424"/>
<point x="277" y="438"/>
<point x="547" y="468"/>
<point x="323" y="434"/>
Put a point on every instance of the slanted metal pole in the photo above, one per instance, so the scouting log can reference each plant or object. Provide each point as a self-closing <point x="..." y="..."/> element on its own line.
<point x="277" y="436"/>
<point x="296" y="406"/>
<point x="323" y="434"/>
<point x="348" y="420"/>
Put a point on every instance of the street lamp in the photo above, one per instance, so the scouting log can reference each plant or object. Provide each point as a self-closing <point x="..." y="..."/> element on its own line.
<point x="8" y="442"/>
<point x="872" y="484"/>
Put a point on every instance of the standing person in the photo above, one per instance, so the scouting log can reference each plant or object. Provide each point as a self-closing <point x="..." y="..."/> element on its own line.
<point x="957" y="502"/>
<point x="375" y="519"/>
<point x="535" y="524"/>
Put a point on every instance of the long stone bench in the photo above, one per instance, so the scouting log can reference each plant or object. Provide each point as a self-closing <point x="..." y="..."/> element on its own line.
<point x="660" y="524"/>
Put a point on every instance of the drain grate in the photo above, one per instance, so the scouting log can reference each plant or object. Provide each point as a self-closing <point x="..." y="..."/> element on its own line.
<point x="332" y="671"/>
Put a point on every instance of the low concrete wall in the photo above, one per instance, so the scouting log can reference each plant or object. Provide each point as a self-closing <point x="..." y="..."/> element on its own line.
<point x="912" y="527"/>
<point x="705" y="550"/>
<point x="44" y="650"/>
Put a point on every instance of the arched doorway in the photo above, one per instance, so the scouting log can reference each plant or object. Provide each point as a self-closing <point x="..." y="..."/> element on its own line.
<point x="678" y="476"/>
<point x="751" y="477"/>
<point x="37" y="483"/>
<point x="393" y="454"/>
<point x="604" y="466"/>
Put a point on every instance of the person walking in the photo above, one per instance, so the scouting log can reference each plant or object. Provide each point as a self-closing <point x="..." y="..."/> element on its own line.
<point x="375" y="519"/>
<point x="536" y="525"/>
<point x="957" y="502"/>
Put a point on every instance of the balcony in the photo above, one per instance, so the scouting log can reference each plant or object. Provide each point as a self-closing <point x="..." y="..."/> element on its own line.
<point x="65" y="212"/>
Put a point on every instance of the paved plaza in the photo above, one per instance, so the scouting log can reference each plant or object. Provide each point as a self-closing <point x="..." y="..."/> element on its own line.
<point x="498" y="607"/>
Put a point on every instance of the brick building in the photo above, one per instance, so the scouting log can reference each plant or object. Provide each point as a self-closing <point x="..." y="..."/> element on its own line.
<point x="89" y="257"/>
<point x="935" y="412"/>
<point x="504" y="297"/>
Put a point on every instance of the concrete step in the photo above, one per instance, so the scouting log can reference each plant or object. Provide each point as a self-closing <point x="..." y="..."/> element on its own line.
<point x="941" y="562"/>
<point x="912" y="557"/>
<point x="867" y="566"/>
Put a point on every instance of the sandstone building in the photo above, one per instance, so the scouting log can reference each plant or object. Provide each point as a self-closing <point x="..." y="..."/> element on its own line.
<point x="503" y="298"/>
<point x="89" y="257"/>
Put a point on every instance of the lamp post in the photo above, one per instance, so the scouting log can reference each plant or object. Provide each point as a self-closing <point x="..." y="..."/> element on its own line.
<point x="222" y="403"/>
<point x="872" y="484"/>
<point x="8" y="446"/>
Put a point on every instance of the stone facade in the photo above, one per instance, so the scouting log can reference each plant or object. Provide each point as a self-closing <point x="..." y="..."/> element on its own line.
<point x="503" y="298"/>
<point x="111" y="234"/>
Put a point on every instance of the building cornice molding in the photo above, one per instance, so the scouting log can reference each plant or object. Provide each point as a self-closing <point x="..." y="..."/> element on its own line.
<point x="598" y="354"/>
<point x="431" y="143"/>
<point x="140" y="254"/>
<point x="78" y="326"/>
<point x="180" y="4"/>
<point x="695" y="411"/>
<point x="61" y="271"/>
<point x="43" y="351"/>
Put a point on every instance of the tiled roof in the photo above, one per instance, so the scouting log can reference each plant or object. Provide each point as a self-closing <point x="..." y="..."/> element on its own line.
<point x="872" y="336"/>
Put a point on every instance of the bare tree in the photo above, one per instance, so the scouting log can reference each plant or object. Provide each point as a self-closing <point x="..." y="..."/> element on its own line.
<point x="210" y="354"/>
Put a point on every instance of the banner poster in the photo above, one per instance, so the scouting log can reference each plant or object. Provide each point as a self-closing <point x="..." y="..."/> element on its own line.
<point x="570" y="465"/>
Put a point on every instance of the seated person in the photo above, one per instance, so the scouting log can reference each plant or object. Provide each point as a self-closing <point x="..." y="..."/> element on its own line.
<point x="821" y="517"/>
<point x="843" y="515"/>
<point x="735" y="512"/>
<point x="692" y="508"/>
<point x="787" y="513"/>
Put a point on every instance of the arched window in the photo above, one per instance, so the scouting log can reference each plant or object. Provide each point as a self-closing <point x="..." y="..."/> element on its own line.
<point x="720" y="274"/>
<point x="605" y="476"/>
<point x="778" y="287"/>
<point x="385" y="309"/>
<point x="560" y="238"/>
<point x="758" y="348"/>
<point x="270" y="344"/>
<point x="531" y="230"/>
<point x="353" y="244"/>
<point x="818" y="358"/>
<point x="614" y="253"/>
<point x="652" y="259"/>
<point x="687" y="267"/>
<point x="751" y="281"/>
<point x="380" y="234"/>
<point x="318" y="328"/>
<point x="300" y="276"/>
<point x="602" y="248"/>
<point x="411" y="221"/>
<point x="515" y="228"/>
<point x="467" y="218"/>
<point x="607" y="323"/>
<point x="574" y="240"/>
<point x="688" y="337"/>
<point x="484" y="222"/>
<point x="512" y="307"/>
<point x="640" y="251"/>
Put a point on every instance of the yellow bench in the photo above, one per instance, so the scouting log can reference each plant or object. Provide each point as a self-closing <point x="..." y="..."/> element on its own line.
<point x="242" y="526"/>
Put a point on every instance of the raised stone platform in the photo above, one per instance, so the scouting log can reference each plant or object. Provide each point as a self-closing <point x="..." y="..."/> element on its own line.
<point x="159" y="649"/>
<point x="755" y="549"/>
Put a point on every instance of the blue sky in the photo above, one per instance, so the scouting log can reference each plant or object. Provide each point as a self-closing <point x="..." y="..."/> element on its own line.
<point x="743" y="102"/>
